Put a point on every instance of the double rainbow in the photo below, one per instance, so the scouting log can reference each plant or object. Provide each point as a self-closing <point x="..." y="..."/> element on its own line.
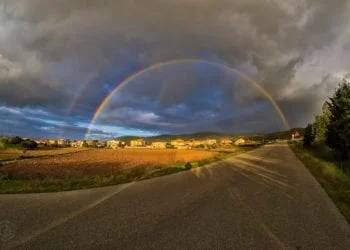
<point x="182" y="61"/>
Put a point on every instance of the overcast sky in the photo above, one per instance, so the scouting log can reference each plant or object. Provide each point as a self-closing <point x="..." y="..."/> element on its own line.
<point x="60" y="58"/>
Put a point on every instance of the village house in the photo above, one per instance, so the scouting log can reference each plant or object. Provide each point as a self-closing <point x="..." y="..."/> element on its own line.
<point x="158" y="144"/>
<point x="101" y="144"/>
<point x="226" y="141"/>
<point x="113" y="144"/>
<point x="183" y="146"/>
<point x="42" y="142"/>
<point x="196" y="143"/>
<point x="90" y="143"/>
<point x="63" y="143"/>
<point x="77" y="144"/>
<point x="53" y="142"/>
<point x="137" y="143"/>
<point x="239" y="141"/>
<point x="177" y="142"/>
<point x="210" y="141"/>
<point x="296" y="136"/>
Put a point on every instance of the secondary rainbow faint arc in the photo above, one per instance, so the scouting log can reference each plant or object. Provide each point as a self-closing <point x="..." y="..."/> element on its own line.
<point x="179" y="61"/>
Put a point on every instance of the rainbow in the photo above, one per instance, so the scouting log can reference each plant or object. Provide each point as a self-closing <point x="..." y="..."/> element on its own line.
<point x="181" y="61"/>
<point x="78" y="94"/>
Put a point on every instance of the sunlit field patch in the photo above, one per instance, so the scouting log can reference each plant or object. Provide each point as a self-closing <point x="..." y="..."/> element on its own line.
<point x="100" y="167"/>
<point x="100" y="162"/>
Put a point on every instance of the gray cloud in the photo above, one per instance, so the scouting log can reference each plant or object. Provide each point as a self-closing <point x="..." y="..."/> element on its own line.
<point x="50" y="49"/>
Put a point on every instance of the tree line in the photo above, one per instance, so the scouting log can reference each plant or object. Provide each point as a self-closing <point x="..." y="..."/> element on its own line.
<point x="17" y="142"/>
<point x="332" y="126"/>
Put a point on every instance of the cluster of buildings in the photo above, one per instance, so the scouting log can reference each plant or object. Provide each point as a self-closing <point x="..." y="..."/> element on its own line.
<point x="54" y="142"/>
<point x="141" y="143"/>
<point x="183" y="144"/>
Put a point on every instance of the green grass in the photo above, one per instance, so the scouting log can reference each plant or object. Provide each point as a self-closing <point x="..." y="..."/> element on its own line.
<point x="10" y="185"/>
<point x="329" y="171"/>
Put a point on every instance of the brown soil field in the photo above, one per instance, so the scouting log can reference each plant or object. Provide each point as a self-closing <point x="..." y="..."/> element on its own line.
<point x="100" y="162"/>
<point x="9" y="154"/>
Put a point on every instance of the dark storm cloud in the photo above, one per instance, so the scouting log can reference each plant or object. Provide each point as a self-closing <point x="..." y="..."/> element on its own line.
<point x="305" y="103"/>
<point x="49" y="50"/>
<point x="37" y="124"/>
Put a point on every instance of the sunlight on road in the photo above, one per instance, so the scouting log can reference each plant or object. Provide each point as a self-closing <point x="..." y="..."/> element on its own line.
<point x="70" y="216"/>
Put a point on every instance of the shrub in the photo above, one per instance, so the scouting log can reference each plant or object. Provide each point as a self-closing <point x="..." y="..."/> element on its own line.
<point x="188" y="165"/>
<point x="309" y="135"/>
<point x="28" y="144"/>
<point x="3" y="142"/>
<point x="15" y="140"/>
<point x="338" y="129"/>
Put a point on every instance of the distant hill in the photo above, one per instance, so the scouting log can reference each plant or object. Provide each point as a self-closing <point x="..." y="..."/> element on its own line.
<point x="169" y="137"/>
<point x="284" y="135"/>
<point x="196" y="136"/>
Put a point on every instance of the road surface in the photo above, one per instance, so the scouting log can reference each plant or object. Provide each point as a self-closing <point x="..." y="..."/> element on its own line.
<point x="264" y="199"/>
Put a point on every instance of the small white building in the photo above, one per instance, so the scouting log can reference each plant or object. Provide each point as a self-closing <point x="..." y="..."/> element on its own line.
<point x="63" y="142"/>
<point x="159" y="144"/>
<point x="226" y="141"/>
<point x="113" y="144"/>
<point x="77" y="144"/>
<point x="239" y="141"/>
<point x="101" y="144"/>
<point x="210" y="141"/>
<point x="296" y="136"/>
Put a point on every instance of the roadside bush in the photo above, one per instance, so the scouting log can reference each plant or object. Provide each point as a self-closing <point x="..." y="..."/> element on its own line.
<point x="3" y="143"/>
<point x="321" y="123"/>
<point x="15" y="140"/>
<point x="28" y="145"/>
<point x="188" y="165"/>
<point x="338" y="129"/>
<point x="309" y="135"/>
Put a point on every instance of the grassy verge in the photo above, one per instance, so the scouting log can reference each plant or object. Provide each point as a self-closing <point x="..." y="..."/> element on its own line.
<point x="9" y="184"/>
<point x="329" y="172"/>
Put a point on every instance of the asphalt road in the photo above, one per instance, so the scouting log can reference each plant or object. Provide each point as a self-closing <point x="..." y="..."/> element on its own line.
<point x="264" y="199"/>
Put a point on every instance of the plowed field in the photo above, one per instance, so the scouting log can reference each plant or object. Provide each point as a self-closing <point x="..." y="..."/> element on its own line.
<point x="100" y="162"/>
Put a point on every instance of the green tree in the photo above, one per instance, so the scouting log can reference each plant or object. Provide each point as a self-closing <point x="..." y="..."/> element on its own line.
<point x="121" y="144"/>
<point x="338" y="129"/>
<point x="94" y="143"/>
<point x="3" y="142"/>
<point x="28" y="145"/>
<point x="321" y="123"/>
<point x="168" y="145"/>
<point x="309" y="135"/>
<point x="15" y="140"/>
